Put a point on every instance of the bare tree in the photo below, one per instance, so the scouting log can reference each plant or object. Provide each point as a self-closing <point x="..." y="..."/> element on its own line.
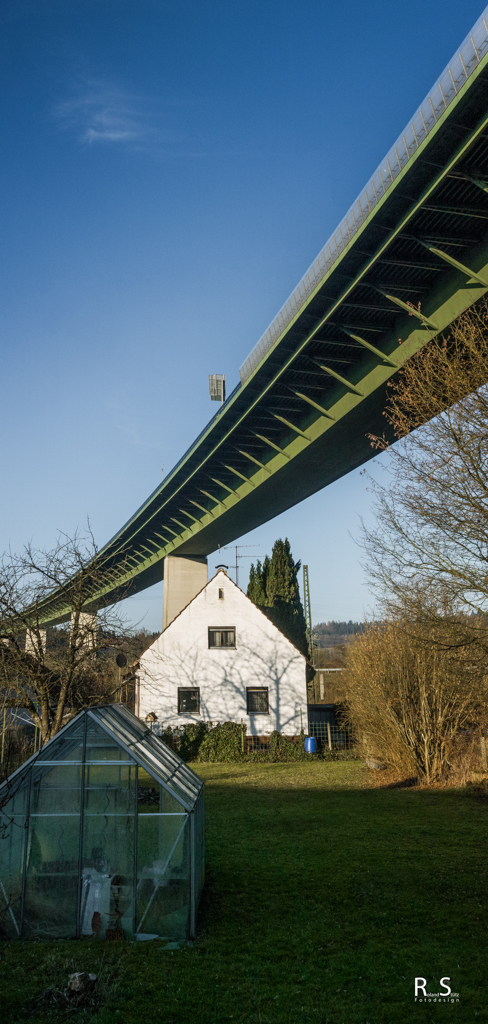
<point x="428" y="553"/>
<point x="52" y="673"/>
<point x="408" y="699"/>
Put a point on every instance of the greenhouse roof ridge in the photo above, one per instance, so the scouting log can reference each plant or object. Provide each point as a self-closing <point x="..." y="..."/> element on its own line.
<point x="150" y="752"/>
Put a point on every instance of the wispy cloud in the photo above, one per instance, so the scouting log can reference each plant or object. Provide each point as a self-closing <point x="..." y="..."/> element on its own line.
<point x="99" y="112"/>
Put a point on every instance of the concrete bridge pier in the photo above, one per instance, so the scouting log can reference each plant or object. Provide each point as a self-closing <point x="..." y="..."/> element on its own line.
<point x="184" y="576"/>
<point x="87" y="629"/>
<point x="35" y="639"/>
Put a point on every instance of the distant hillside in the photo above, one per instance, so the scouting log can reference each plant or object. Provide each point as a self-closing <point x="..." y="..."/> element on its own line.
<point x="336" y="630"/>
<point x="332" y="634"/>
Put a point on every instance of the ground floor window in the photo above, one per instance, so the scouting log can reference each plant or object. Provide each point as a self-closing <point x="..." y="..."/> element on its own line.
<point x="257" y="700"/>
<point x="189" y="701"/>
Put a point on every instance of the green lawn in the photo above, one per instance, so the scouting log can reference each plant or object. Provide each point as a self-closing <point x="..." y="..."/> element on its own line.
<point x="324" y="899"/>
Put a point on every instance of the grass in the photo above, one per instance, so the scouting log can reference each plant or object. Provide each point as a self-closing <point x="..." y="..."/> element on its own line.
<point x="325" y="898"/>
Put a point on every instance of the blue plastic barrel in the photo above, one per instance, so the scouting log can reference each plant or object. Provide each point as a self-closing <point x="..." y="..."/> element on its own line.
<point x="310" y="745"/>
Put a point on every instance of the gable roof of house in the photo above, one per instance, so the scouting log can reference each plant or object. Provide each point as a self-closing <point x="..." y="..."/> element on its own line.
<point x="258" y="609"/>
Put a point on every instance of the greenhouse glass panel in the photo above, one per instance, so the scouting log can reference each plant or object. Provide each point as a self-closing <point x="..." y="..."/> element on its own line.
<point x="121" y="721"/>
<point x="107" y="867"/>
<point x="163" y="875"/>
<point x="154" y="799"/>
<point x="102" y="835"/>
<point x="51" y="887"/>
<point x="199" y="824"/>
<point x="101" y="746"/>
<point x="66" y="746"/>
<point x="12" y="846"/>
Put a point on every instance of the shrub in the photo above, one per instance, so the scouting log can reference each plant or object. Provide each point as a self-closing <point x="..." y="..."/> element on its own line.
<point x="223" y="743"/>
<point x="281" y="749"/>
<point x="191" y="739"/>
<point x="407" y="699"/>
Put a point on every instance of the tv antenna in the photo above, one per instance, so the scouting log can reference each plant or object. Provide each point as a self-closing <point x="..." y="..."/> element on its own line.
<point x="236" y="548"/>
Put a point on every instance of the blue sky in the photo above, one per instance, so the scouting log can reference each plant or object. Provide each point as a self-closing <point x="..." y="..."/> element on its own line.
<point x="169" y="170"/>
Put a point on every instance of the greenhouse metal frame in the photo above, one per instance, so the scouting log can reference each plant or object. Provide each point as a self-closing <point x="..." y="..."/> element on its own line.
<point x="101" y="835"/>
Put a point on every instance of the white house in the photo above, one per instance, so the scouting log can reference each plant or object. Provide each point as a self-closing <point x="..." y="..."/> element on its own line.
<point x="221" y="659"/>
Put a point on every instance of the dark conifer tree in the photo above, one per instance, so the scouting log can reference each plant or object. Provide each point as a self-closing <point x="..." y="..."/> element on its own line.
<point x="251" y="586"/>
<point x="273" y="586"/>
<point x="257" y="585"/>
<point x="262" y="594"/>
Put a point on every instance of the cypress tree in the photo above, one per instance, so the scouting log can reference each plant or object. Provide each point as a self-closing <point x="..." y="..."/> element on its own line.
<point x="258" y="577"/>
<point x="262" y="594"/>
<point x="251" y="586"/>
<point x="273" y="586"/>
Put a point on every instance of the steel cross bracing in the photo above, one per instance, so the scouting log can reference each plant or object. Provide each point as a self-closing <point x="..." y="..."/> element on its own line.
<point x="301" y="419"/>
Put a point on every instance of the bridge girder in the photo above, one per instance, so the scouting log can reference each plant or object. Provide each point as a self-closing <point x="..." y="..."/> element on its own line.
<point x="299" y="423"/>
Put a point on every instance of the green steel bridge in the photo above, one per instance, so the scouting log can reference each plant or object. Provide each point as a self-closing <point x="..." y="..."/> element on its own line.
<point x="409" y="256"/>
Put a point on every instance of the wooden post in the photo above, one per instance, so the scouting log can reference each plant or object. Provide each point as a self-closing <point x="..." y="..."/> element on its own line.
<point x="3" y="733"/>
<point x="329" y="736"/>
<point x="242" y="736"/>
<point x="484" y="763"/>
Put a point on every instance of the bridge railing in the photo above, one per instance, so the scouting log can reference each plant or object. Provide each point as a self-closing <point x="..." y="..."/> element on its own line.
<point x="448" y="85"/>
<point x="456" y="74"/>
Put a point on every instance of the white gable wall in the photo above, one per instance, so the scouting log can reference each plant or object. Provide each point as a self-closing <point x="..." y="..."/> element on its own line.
<point x="180" y="657"/>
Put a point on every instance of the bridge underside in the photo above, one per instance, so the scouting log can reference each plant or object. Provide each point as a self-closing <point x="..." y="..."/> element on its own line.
<point x="301" y="420"/>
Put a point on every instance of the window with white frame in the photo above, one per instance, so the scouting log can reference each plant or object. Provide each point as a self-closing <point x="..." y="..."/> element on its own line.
<point x="221" y="637"/>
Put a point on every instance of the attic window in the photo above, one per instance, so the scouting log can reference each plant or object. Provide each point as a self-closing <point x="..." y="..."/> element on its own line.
<point x="221" y="594"/>
<point x="221" y="637"/>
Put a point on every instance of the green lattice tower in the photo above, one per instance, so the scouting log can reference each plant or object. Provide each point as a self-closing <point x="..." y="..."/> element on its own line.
<point x="308" y="612"/>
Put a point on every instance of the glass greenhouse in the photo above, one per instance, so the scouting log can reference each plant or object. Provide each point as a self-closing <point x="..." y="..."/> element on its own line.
<point x="101" y="832"/>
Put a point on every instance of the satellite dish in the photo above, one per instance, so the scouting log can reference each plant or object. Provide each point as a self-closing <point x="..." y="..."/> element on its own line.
<point x="121" y="660"/>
